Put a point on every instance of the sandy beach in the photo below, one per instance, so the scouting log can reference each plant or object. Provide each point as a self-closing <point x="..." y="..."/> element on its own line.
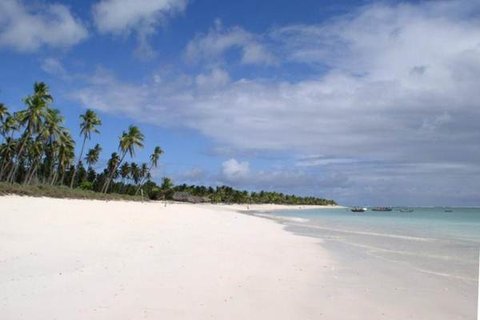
<point x="79" y="259"/>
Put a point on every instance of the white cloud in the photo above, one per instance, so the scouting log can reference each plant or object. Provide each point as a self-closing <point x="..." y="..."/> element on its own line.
<point x="54" y="67"/>
<point x="233" y="169"/>
<point x="215" y="79"/>
<point x="211" y="47"/>
<point x="400" y="86"/>
<point x="142" y="17"/>
<point x="26" y="29"/>
<point x="123" y="16"/>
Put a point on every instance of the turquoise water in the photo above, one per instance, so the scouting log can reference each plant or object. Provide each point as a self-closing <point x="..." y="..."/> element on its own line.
<point x="424" y="264"/>
<point x="429" y="240"/>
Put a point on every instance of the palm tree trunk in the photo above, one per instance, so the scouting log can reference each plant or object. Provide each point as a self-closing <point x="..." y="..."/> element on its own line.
<point x="78" y="163"/>
<point x="16" y="164"/>
<point x="143" y="179"/>
<point x="51" y="173"/>
<point x="34" y="171"/>
<point x="63" y="175"/>
<point x="30" y="172"/>
<point x="3" y="167"/>
<point x="110" y="176"/>
<point x="54" y="177"/>
<point x="11" y="176"/>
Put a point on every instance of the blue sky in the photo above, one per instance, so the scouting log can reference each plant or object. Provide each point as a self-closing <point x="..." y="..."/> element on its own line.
<point x="365" y="102"/>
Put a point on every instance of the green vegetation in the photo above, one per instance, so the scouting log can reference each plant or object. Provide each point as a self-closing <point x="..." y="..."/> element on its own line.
<point x="37" y="158"/>
<point x="229" y="195"/>
<point x="42" y="190"/>
<point x="37" y="150"/>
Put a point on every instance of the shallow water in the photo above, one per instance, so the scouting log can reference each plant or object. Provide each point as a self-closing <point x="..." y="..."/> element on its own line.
<point x="428" y="250"/>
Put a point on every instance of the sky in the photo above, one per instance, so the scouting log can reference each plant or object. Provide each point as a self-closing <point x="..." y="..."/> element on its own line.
<point x="363" y="102"/>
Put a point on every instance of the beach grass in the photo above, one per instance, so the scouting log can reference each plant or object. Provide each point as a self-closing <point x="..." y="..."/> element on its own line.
<point x="63" y="192"/>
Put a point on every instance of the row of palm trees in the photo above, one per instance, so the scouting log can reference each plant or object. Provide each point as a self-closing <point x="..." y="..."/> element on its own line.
<point x="36" y="148"/>
<point x="227" y="194"/>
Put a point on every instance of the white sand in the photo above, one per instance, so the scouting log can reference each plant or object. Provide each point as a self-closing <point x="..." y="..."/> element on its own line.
<point x="75" y="259"/>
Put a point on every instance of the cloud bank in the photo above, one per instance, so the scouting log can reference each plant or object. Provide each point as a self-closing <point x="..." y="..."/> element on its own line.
<point x="28" y="28"/>
<point x="392" y="88"/>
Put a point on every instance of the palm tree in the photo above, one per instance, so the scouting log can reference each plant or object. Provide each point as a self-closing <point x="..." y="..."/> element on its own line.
<point x="51" y="131"/>
<point x="89" y="124"/>
<point x="31" y="117"/>
<point x="65" y="154"/>
<point x="7" y="152"/>
<point x="35" y="153"/>
<point x="166" y="186"/>
<point x="128" y="142"/>
<point x="124" y="173"/>
<point x="143" y="171"/>
<point x="3" y="115"/>
<point x="111" y="171"/>
<point x="3" y="111"/>
<point x="9" y="125"/>
<point x="157" y="152"/>
<point x="92" y="155"/>
<point x="135" y="173"/>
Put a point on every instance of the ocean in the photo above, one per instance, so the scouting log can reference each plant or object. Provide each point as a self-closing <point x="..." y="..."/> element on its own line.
<point x="425" y="260"/>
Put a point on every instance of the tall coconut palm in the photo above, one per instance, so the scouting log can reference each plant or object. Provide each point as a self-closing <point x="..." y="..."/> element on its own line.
<point x="7" y="152"/>
<point x="65" y="154"/>
<point x="124" y="173"/>
<point x="93" y="155"/>
<point x="157" y="152"/>
<point x="113" y="162"/>
<point x="130" y="139"/>
<point x="135" y="173"/>
<point x="31" y="118"/>
<point x="35" y="151"/>
<point x="54" y="133"/>
<point x="111" y="170"/>
<point x="9" y="125"/>
<point x="51" y="131"/>
<point x="89" y="124"/>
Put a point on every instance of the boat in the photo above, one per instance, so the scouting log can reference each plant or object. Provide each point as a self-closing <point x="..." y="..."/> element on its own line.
<point x="406" y="210"/>
<point x="448" y="210"/>
<point x="382" y="209"/>
<point x="358" y="209"/>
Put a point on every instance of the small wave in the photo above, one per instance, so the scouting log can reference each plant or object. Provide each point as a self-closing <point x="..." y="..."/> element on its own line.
<point x="375" y="234"/>
<point x="422" y="254"/>
<point x="446" y="275"/>
<point x="282" y="218"/>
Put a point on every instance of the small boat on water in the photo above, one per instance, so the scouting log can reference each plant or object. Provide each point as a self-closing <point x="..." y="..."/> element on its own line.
<point x="358" y="209"/>
<point x="448" y="210"/>
<point x="382" y="209"/>
<point x="406" y="210"/>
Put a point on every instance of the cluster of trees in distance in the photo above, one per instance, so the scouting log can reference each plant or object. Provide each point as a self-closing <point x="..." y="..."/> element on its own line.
<point x="38" y="149"/>
<point x="227" y="194"/>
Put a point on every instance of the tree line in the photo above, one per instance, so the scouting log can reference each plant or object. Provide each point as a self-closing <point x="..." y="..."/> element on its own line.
<point x="38" y="149"/>
<point x="225" y="194"/>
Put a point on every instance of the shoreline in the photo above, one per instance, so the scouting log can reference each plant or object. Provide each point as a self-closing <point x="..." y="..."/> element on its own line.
<point x="96" y="259"/>
<point x="392" y="272"/>
<point x="127" y="260"/>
